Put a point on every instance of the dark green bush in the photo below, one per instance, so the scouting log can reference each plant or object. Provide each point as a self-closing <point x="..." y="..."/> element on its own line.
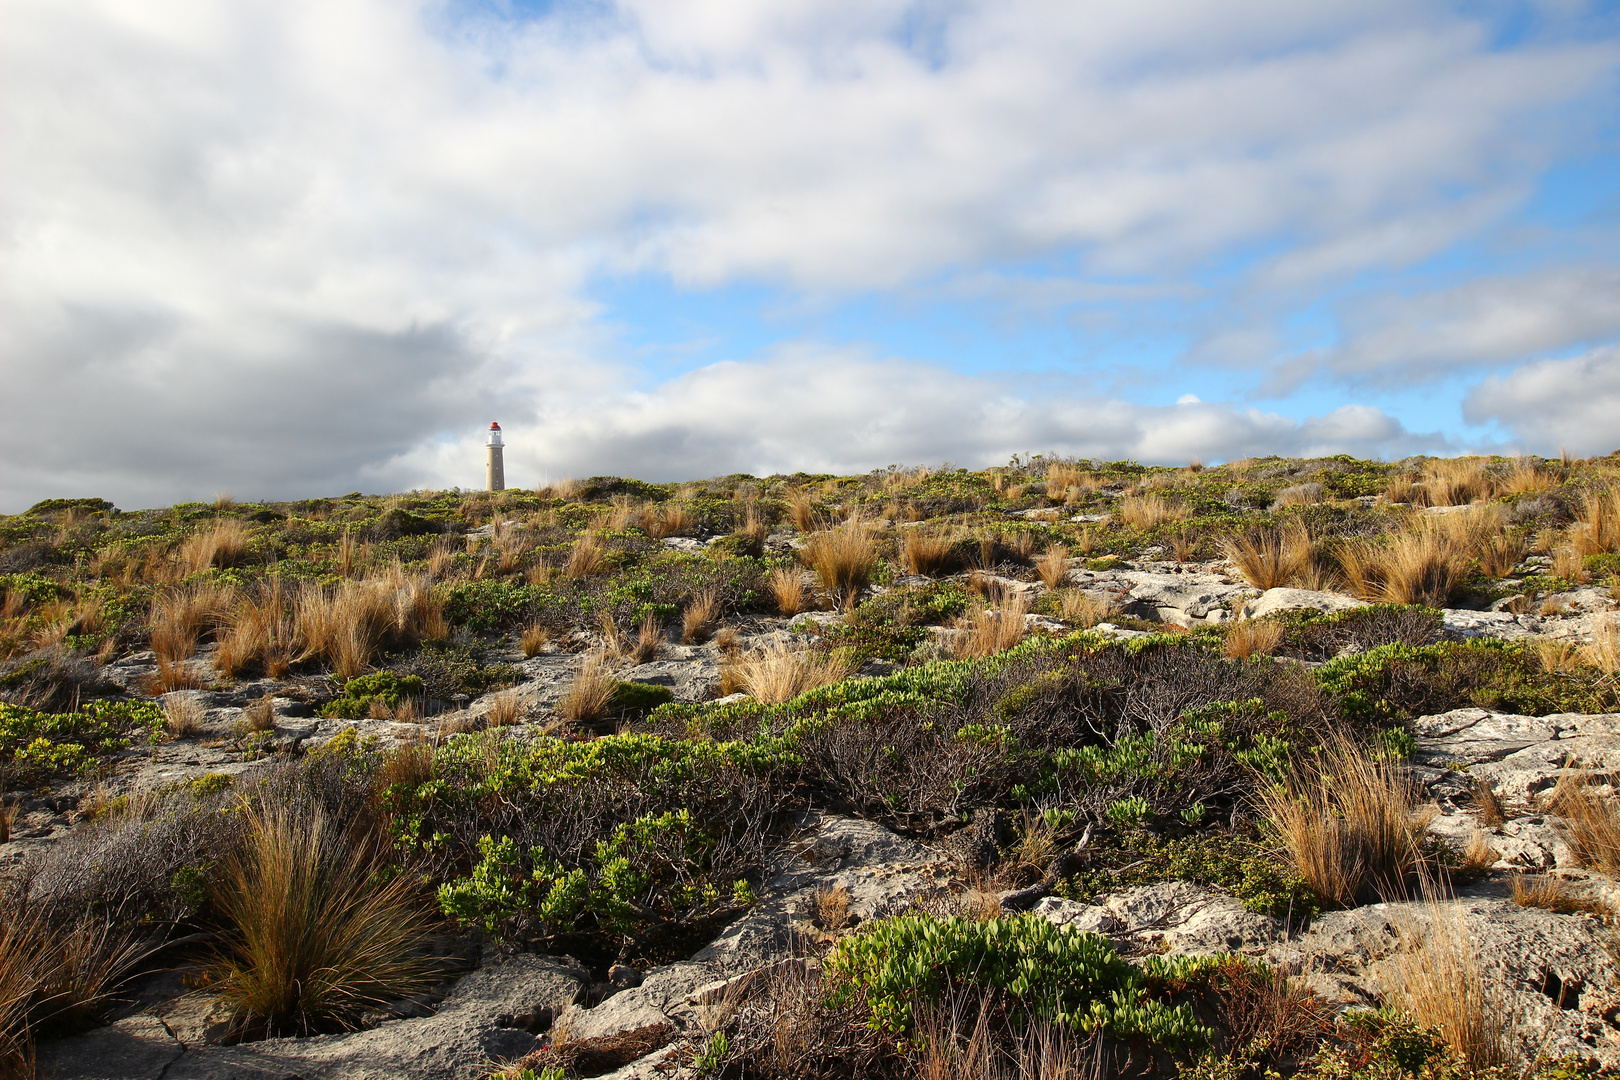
<point x="1055" y="972"/>
<point x="362" y="691"/>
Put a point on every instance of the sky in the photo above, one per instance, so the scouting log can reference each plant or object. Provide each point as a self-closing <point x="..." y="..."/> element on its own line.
<point x="285" y="248"/>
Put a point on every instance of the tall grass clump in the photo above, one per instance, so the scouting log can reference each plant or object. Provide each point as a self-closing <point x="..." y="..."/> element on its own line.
<point x="776" y="672"/>
<point x="587" y="696"/>
<point x="1588" y="821"/>
<point x="1349" y="823"/>
<point x="929" y="553"/>
<point x="787" y="589"/>
<point x="1053" y="566"/>
<point x="54" y="978"/>
<point x="1436" y="980"/>
<point x="842" y="558"/>
<point x="318" y="932"/>
<point x="987" y="631"/>
<point x="223" y="544"/>
<point x="1270" y="558"/>
<point x="1147" y="511"/>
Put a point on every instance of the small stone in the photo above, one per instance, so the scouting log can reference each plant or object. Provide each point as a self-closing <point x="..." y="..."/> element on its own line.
<point x="624" y="976"/>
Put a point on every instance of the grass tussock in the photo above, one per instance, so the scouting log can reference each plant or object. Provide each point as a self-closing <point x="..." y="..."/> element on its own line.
<point x="182" y="716"/>
<point x="534" y="639"/>
<point x="223" y="544"/>
<point x="1252" y="637"/>
<point x="699" y="618"/>
<point x="1053" y="566"/>
<point x="585" y="558"/>
<point x="987" y="630"/>
<point x="787" y="589"/>
<point x="1588" y="820"/>
<point x="55" y="978"/>
<point x="1149" y="511"/>
<point x="1081" y="609"/>
<point x="843" y="558"/>
<point x="1438" y="982"/>
<point x="317" y="936"/>
<point x="1270" y="558"/>
<point x="930" y="553"/>
<point x="777" y="672"/>
<point x="1349" y="822"/>
<point x="587" y="696"/>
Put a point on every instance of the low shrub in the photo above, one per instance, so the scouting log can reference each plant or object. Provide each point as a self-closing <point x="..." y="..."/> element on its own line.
<point x="363" y="692"/>
<point x="37" y="744"/>
<point x="1054" y="972"/>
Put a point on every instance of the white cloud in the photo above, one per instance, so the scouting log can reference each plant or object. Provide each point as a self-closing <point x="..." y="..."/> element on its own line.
<point x="326" y="233"/>
<point x="820" y="410"/>
<point x="1556" y="404"/>
<point x="1487" y="321"/>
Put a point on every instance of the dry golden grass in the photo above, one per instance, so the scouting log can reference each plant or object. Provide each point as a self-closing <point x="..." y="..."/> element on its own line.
<point x="1552" y="893"/>
<point x="317" y="936"/>
<point x="585" y="558"/>
<point x="1147" y="511"/>
<point x="843" y="558"/>
<point x="1488" y="808"/>
<point x="1053" y="566"/>
<point x="649" y="640"/>
<point x="261" y="632"/>
<point x="1061" y="476"/>
<point x="182" y="716"/>
<point x="179" y="617"/>
<point x="787" y="589"/>
<point x="534" y="639"/>
<point x="727" y="640"/>
<point x="1349" y="823"/>
<point x="1603" y="651"/>
<point x="1301" y="495"/>
<point x="223" y="544"/>
<point x="587" y="696"/>
<point x="1480" y="854"/>
<point x="1597" y="528"/>
<point x="50" y="972"/>
<point x="1559" y="656"/>
<point x="1456" y="481"/>
<point x="988" y="631"/>
<point x="505" y="710"/>
<point x="697" y="621"/>
<point x="776" y="672"/>
<point x="801" y="510"/>
<point x="261" y="715"/>
<point x="1426" y="564"/>
<point x="929" y="553"/>
<point x="829" y="906"/>
<point x="1437" y="981"/>
<point x="1270" y="558"/>
<point x="1252" y="637"/>
<point x="343" y="627"/>
<point x="1527" y="476"/>
<point x="1081" y="609"/>
<point x="1588" y="821"/>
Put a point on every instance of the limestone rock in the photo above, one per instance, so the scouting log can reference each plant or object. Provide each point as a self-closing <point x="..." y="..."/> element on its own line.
<point x="1175" y="917"/>
<point x="1554" y="970"/>
<point x="1274" y="600"/>
<point x="133" y="1048"/>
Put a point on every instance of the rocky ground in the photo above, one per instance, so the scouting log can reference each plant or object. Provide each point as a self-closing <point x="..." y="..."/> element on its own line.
<point x="1556" y="971"/>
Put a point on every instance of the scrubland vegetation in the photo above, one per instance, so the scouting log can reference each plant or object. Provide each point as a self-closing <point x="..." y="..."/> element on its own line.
<point x="946" y="671"/>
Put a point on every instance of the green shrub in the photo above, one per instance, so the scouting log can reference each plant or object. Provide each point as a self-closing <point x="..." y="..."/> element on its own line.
<point x="1252" y="873"/>
<point x="1394" y="683"/>
<point x="39" y="743"/>
<point x="491" y="604"/>
<point x="362" y="691"/>
<point x="638" y="697"/>
<point x="1058" y="973"/>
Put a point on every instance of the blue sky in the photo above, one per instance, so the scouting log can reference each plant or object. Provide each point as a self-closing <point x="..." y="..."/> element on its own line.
<point x="280" y="248"/>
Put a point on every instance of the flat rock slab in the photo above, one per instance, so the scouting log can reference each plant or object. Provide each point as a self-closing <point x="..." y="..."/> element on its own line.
<point x="1558" y="977"/>
<point x="132" y="1048"/>
<point x="476" y="1025"/>
<point x="1175" y="917"/>
<point x="1274" y="600"/>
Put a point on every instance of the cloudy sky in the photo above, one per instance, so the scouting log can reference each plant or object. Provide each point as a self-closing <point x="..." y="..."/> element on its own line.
<point x="294" y="247"/>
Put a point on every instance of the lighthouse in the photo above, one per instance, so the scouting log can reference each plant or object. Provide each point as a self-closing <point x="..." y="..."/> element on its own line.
<point x="494" y="468"/>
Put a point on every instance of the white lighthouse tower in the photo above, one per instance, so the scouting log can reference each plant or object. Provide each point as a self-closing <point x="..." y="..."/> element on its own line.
<point x="494" y="468"/>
